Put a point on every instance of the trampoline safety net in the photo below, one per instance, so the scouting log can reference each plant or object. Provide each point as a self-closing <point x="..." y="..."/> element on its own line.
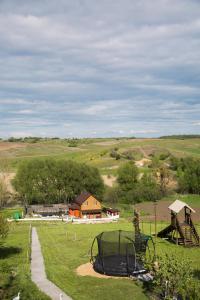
<point x="120" y="253"/>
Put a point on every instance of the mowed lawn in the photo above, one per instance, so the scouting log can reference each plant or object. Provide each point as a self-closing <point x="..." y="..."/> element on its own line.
<point x="15" y="273"/>
<point x="66" y="246"/>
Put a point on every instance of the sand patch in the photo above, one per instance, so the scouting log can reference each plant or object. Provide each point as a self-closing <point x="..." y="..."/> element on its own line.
<point x="106" y="143"/>
<point x="143" y="162"/>
<point x="109" y="180"/>
<point x="87" y="270"/>
<point x="7" y="177"/>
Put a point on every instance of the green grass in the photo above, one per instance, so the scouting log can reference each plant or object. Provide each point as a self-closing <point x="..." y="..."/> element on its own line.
<point x="96" y="152"/>
<point x="15" y="273"/>
<point x="63" y="255"/>
<point x="9" y="212"/>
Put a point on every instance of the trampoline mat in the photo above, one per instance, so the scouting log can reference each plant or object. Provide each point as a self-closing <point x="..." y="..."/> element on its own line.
<point x="118" y="265"/>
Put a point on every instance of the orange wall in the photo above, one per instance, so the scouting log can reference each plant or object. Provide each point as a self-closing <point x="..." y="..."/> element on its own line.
<point x="75" y="213"/>
<point x="91" y="203"/>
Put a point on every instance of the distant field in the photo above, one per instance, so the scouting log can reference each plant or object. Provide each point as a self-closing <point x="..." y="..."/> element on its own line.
<point x="96" y="152"/>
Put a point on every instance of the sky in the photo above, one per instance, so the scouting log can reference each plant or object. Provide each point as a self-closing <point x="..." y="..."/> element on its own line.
<point x="85" y="68"/>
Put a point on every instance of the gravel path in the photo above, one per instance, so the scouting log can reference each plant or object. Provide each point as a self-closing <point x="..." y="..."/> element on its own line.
<point x="38" y="272"/>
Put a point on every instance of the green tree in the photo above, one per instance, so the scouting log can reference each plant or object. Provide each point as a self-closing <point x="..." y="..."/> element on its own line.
<point x="127" y="176"/>
<point x="132" y="189"/>
<point x="4" y="194"/>
<point x="189" y="176"/>
<point x="51" y="181"/>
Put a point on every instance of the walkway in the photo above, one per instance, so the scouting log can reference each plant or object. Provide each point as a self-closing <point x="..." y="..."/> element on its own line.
<point x="38" y="272"/>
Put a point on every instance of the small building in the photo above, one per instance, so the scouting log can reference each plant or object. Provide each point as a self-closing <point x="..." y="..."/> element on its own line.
<point x="47" y="209"/>
<point x="85" y="206"/>
<point x="111" y="212"/>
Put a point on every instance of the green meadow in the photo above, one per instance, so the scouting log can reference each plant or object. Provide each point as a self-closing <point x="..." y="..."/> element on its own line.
<point x="96" y="152"/>
<point x="65" y="247"/>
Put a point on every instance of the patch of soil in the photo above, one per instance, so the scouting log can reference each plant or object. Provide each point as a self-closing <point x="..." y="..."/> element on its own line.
<point x="7" y="178"/>
<point x="143" y="162"/>
<point x="106" y="143"/>
<point x="163" y="213"/>
<point x="109" y="180"/>
<point x="7" y="146"/>
<point x="87" y="270"/>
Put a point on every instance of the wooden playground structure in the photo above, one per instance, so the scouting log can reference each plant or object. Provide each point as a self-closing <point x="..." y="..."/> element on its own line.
<point x="181" y="233"/>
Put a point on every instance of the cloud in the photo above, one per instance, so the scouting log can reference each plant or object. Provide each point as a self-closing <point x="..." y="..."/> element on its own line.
<point x="196" y="124"/>
<point x="111" y="66"/>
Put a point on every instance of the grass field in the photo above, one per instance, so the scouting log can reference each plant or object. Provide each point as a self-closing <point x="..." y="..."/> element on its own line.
<point x="15" y="273"/>
<point x="63" y="253"/>
<point x="96" y="152"/>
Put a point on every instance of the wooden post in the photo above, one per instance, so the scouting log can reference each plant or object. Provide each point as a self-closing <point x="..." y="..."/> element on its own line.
<point x="150" y="227"/>
<point x="155" y="214"/>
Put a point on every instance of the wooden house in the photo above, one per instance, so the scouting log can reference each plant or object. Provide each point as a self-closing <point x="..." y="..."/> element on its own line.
<point x="85" y="206"/>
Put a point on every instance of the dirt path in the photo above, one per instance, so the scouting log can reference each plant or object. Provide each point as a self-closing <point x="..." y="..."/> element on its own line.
<point x="38" y="274"/>
<point x="87" y="270"/>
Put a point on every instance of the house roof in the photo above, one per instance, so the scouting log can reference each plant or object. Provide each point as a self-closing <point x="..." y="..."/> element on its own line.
<point x="178" y="205"/>
<point x="82" y="198"/>
<point x="50" y="208"/>
<point x="112" y="210"/>
<point x="74" y="206"/>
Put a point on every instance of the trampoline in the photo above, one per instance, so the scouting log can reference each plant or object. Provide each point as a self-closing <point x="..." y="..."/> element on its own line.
<point x="121" y="253"/>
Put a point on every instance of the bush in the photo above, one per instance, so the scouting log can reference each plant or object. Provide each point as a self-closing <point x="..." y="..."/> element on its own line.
<point x="4" y="228"/>
<point x="115" y="154"/>
<point x="173" y="278"/>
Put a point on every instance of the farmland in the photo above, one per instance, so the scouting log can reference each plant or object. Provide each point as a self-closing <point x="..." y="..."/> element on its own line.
<point x="96" y="152"/>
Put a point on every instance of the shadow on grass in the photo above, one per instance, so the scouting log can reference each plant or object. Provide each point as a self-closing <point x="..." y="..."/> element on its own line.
<point x="197" y="274"/>
<point x="6" y="252"/>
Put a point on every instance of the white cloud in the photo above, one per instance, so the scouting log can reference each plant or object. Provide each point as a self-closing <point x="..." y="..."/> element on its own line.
<point x="196" y="124"/>
<point x="104" y="65"/>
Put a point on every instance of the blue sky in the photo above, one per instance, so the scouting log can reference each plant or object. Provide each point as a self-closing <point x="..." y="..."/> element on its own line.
<point x="85" y="68"/>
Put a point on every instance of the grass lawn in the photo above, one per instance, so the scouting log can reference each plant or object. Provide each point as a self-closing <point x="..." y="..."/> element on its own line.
<point x="65" y="247"/>
<point x="63" y="255"/>
<point x="15" y="273"/>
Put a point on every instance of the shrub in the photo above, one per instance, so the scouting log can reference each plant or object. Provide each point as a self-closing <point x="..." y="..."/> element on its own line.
<point x="173" y="277"/>
<point x="4" y="228"/>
